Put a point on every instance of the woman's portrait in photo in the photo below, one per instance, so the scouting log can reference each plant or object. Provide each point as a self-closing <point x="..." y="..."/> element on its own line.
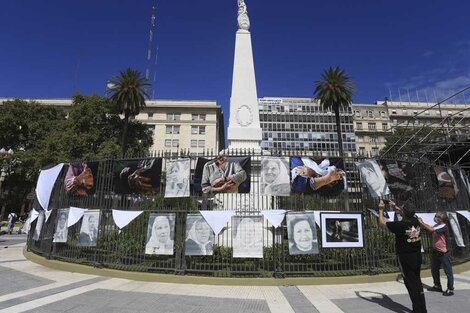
<point x="61" y="230"/>
<point x="398" y="176"/>
<point x="177" y="178"/>
<point x="247" y="237"/>
<point x="372" y="175"/>
<point x="341" y="230"/>
<point x="79" y="179"/>
<point x="39" y="223"/>
<point x="226" y="175"/>
<point x="160" y="234"/>
<point x="88" y="236"/>
<point x="137" y="176"/>
<point x="275" y="179"/>
<point x="324" y="176"/>
<point x="199" y="236"/>
<point x="302" y="233"/>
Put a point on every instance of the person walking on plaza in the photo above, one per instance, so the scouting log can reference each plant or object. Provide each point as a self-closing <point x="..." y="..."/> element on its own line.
<point x="440" y="253"/>
<point x="408" y="247"/>
<point x="11" y="222"/>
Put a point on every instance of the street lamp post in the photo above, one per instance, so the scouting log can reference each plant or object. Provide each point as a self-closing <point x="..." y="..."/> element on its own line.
<point x="6" y="159"/>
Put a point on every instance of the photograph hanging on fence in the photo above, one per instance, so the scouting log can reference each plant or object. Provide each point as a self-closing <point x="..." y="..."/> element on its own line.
<point x="446" y="182"/>
<point x="39" y="224"/>
<point x="341" y="230"/>
<point x="61" y="230"/>
<point x="302" y="233"/>
<point x="399" y="177"/>
<point x="373" y="177"/>
<point x="80" y="179"/>
<point x="224" y="174"/>
<point x="199" y="236"/>
<point x="178" y="174"/>
<point x="315" y="175"/>
<point x="137" y="176"/>
<point x="88" y="236"/>
<point x="160" y="234"/>
<point x="247" y="237"/>
<point x="275" y="179"/>
<point x="456" y="230"/>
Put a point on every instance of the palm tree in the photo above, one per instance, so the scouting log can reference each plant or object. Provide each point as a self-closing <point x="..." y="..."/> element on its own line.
<point x="335" y="90"/>
<point x="128" y="92"/>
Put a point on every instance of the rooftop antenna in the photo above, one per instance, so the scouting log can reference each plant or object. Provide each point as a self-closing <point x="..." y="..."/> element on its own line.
<point x="150" y="46"/>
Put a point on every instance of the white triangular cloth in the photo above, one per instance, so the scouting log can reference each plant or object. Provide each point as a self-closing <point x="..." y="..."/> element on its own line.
<point x="428" y="218"/>
<point x="123" y="218"/>
<point x="275" y="217"/>
<point x="217" y="219"/>
<point x="466" y="214"/>
<point x="48" y="214"/>
<point x="46" y="181"/>
<point x="75" y="214"/>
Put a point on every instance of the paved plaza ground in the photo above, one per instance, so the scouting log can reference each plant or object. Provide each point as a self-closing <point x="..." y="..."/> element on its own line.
<point x="30" y="287"/>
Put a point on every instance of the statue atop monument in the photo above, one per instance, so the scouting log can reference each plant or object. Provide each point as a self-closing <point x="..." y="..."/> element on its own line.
<point x="243" y="20"/>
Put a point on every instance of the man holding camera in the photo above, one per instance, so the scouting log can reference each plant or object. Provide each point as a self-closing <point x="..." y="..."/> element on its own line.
<point x="408" y="247"/>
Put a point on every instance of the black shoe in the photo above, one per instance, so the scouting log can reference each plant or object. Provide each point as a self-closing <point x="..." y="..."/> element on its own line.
<point x="434" y="288"/>
<point x="448" y="292"/>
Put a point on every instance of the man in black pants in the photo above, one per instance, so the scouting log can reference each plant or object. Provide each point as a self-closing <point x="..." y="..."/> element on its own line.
<point x="408" y="246"/>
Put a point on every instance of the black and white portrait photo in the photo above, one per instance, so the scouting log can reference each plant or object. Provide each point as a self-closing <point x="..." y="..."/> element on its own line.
<point x="199" y="236"/>
<point x="39" y="224"/>
<point x="341" y="230"/>
<point x="177" y="178"/>
<point x="89" y="228"/>
<point x="302" y="233"/>
<point x="372" y="175"/>
<point x="160" y="234"/>
<point x="275" y="179"/>
<point x="456" y="230"/>
<point x="247" y="237"/>
<point x="61" y="230"/>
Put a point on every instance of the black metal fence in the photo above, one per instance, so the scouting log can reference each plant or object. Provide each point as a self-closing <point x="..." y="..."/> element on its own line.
<point x="125" y="249"/>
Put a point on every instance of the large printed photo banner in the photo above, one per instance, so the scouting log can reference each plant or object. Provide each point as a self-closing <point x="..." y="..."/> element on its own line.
<point x="275" y="176"/>
<point x="302" y="233"/>
<point x="80" y="179"/>
<point x="325" y="176"/>
<point x="456" y="230"/>
<point x="224" y="174"/>
<point x="399" y="177"/>
<point x="342" y="230"/>
<point x="137" y="176"/>
<point x="372" y="175"/>
<point x="446" y="182"/>
<point x="39" y="224"/>
<point x="199" y="236"/>
<point x="160" y="234"/>
<point x="88" y="236"/>
<point x="178" y="174"/>
<point x="247" y="237"/>
<point x="61" y="230"/>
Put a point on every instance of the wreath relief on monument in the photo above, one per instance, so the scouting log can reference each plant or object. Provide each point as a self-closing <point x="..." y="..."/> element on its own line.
<point x="244" y="115"/>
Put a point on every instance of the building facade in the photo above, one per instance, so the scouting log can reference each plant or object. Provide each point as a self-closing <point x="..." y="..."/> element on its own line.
<point x="192" y="125"/>
<point x="291" y="124"/>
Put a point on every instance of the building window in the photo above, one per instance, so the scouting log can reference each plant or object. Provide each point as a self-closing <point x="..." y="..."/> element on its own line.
<point x="357" y="113"/>
<point x="371" y="126"/>
<point x="384" y="126"/>
<point x="198" y="130"/>
<point x="193" y="143"/>
<point x="395" y="122"/>
<point x="360" y="139"/>
<point x="362" y="150"/>
<point x="172" y="129"/>
<point x="172" y="143"/>
<point x="404" y="112"/>
<point x="373" y="140"/>
<point x="382" y="114"/>
<point x="370" y="114"/>
<point x="394" y="112"/>
<point x="375" y="151"/>
<point x="173" y="116"/>
<point x="201" y="143"/>
<point x="198" y="117"/>
<point x="150" y="116"/>
<point x="359" y="126"/>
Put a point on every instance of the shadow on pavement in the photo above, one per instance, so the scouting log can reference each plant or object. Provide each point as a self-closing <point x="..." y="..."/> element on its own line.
<point x="382" y="300"/>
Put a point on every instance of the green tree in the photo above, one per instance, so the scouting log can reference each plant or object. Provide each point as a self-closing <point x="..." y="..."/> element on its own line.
<point x="128" y="92"/>
<point x="335" y="90"/>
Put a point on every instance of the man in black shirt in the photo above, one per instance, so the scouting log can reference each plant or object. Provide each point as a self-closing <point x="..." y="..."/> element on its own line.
<point x="408" y="246"/>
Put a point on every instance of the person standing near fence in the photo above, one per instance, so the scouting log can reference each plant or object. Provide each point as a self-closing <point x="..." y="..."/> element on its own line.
<point x="11" y="222"/>
<point x="440" y="253"/>
<point x="408" y="247"/>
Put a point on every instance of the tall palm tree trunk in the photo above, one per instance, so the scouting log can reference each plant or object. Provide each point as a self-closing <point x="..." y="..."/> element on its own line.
<point x="338" y="131"/>
<point x="124" y="135"/>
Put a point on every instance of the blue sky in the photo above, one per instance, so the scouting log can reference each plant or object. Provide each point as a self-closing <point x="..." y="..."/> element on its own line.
<point x="50" y="48"/>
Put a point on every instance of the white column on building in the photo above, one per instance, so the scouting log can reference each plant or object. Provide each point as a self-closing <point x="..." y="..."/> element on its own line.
<point x="244" y="130"/>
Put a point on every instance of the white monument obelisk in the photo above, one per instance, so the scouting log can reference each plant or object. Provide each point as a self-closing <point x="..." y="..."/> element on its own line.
<point x="244" y="130"/>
